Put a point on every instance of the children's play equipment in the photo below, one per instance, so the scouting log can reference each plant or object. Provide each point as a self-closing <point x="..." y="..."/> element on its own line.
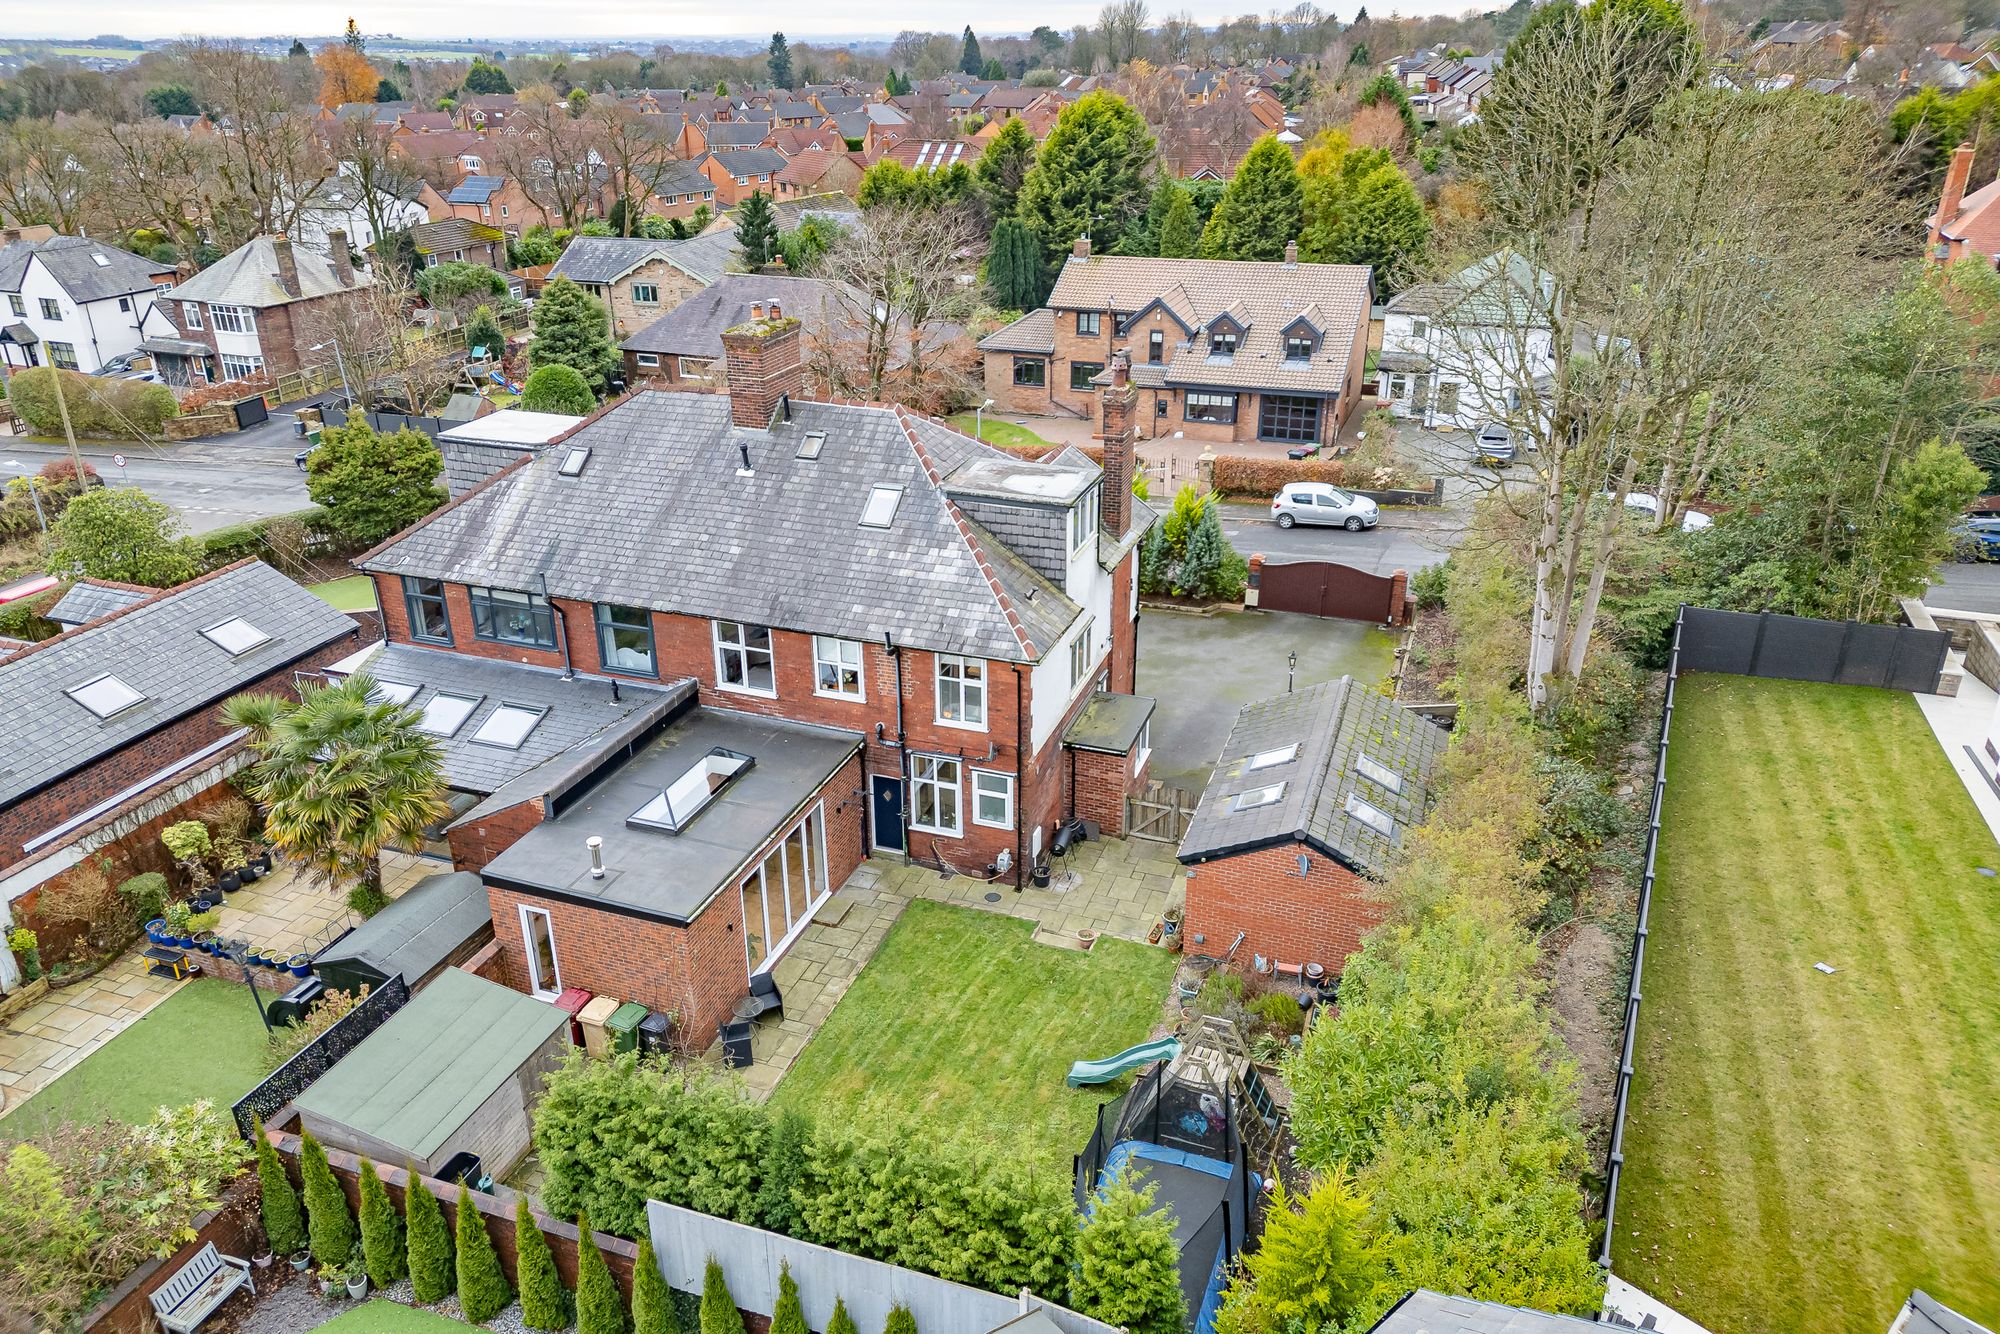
<point x="1132" y="1058"/>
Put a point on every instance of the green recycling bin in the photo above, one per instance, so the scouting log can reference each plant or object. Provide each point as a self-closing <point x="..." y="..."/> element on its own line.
<point x="623" y="1026"/>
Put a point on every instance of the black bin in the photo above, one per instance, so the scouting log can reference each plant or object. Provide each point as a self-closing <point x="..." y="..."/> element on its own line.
<point x="291" y="1007"/>
<point x="465" y="1167"/>
<point x="656" y="1030"/>
<point x="736" y="1044"/>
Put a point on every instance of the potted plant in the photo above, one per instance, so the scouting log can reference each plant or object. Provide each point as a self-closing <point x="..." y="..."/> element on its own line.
<point x="357" y="1275"/>
<point x="262" y="1259"/>
<point x="261" y="859"/>
<point x="27" y="948"/>
<point x="205" y="942"/>
<point x="301" y="1258"/>
<point x="177" y="919"/>
<point x="332" y="1279"/>
<point x="156" y="931"/>
<point x="189" y="843"/>
<point x="230" y="857"/>
<point x="300" y="965"/>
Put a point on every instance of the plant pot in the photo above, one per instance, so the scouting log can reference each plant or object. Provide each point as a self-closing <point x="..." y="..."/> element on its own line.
<point x="262" y="861"/>
<point x="229" y="881"/>
<point x="357" y="1288"/>
<point x="301" y="1261"/>
<point x="331" y="1287"/>
<point x="156" y="931"/>
<point x="201" y="904"/>
<point x="261" y="1259"/>
<point x="1086" y="937"/>
<point x="300" y="965"/>
<point x="251" y="873"/>
<point x="205" y="941"/>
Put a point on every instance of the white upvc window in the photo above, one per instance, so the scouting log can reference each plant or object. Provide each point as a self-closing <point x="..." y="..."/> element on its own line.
<point x="538" y="938"/>
<point x="1083" y="519"/>
<point x="934" y="795"/>
<point x="191" y="314"/>
<point x="743" y="659"/>
<point x="992" y="799"/>
<point x="232" y="319"/>
<point x="1079" y="655"/>
<point x="837" y="668"/>
<point x="650" y="359"/>
<point x="241" y="368"/>
<point x="961" y="692"/>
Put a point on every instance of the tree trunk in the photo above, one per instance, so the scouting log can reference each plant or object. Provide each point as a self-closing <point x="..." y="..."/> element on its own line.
<point x="1541" y="633"/>
<point x="1607" y="532"/>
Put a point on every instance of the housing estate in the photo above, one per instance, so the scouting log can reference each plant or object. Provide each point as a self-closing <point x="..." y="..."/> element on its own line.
<point x="1455" y="353"/>
<point x="694" y="659"/>
<point x="76" y="302"/>
<point x="254" y="312"/>
<point x="1220" y="349"/>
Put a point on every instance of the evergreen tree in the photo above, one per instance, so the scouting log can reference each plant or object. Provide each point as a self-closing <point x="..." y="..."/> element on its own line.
<point x="557" y="389"/>
<point x="901" y="1320"/>
<point x="757" y="230"/>
<point x="1154" y="574"/>
<point x="840" y="1322"/>
<point x="718" y="1309"/>
<point x="1004" y="166"/>
<point x="355" y="41"/>
<point x="482" y="330"/>
<point x="1201" y="570"/>
<point x="992" y="70"/>
<point x="381" y="1230"/>
<point x="571" y="329"/>
<point x="328" y="1222"/>
<point x="969" y="61"/>
<point x="386" y="91"/>
<point x="1127" y="1269"/>
<point x="1381" y="223"/>
<point x="284" y="1223"/>
<point x="1014" y="268"/>
<point x="298" y="51"/>
<point x="721" y="88"/>
<point x="544" y="1303"/>
<point x="1090" y="176"/>
<point x="482" y="1285"/>
<point x="371" y="483"/>
<point x="432" y="1271"/>
<point x="789" y="1317"/>
<point x="485" y="77"/>
<point x="1261" y="210"/>
<point x="780" y="62"/>
<point x="1178" y="238"/>
<point x="652" y="1300"/>
<point x="783" y="1175"/>
<point x="599" y="1308"/>
<point x="1317" y="1263"/>
<point x="1386" y="87"/>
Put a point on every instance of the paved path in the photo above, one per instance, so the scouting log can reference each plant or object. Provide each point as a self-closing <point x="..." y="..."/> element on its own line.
<point x="210" y="483"/>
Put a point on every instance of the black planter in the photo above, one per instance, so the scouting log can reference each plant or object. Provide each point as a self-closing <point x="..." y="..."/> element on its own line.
<point x="229" y="882"/>
<point x="262" y="861"/>
<point x="202" y="904"/>
<point x="251" y="873"/>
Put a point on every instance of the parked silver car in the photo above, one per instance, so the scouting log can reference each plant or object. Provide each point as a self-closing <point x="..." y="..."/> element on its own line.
<point x="1493" y="444"/>
<point x="1317" y="502"/>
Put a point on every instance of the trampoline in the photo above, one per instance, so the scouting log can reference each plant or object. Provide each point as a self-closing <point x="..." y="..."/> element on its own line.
<point x="1195" y="1188"/>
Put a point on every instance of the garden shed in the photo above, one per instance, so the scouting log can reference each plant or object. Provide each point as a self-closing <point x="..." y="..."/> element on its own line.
<point x="453" y="1071"/>
<point x="442" y="920"/>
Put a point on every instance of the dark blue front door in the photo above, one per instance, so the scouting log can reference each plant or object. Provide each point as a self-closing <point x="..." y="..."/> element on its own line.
<point x="887" y="810"/>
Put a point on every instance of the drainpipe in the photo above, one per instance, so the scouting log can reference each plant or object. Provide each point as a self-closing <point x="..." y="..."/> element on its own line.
<point x="1020" y="785"/>
<point x="902" y="750"/>
<point x="562" y="629"/>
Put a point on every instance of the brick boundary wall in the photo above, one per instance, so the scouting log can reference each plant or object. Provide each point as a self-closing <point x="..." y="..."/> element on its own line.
<point x="234" y="1227"/>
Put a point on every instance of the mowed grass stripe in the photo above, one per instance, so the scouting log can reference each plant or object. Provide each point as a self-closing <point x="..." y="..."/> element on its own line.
<point x="1806" y="1148"/>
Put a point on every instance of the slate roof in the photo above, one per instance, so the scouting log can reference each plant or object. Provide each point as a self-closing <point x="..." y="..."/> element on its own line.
<point x="749" y="161"/>
<point x="1334" y="725"/>
<point x="681" y="178"/>
<point x="707" y="257"/>
<point x="1427" y="1312"/>
<point x="431" y="238"/>
<point x="1033" y="332"/>
<point x="72" y="262"/>
<point x="1497" y="290"/>
<point x="475" y="190"/>
<point x="1266" y="295"/>
<point x="419" y="929"/>
<point x="248" y="276"/>
<point x="88" y="599"/>
<point x="155" y="647"/>
<point x="782" y="547"/>
<point x="835" y="104"/>
<point x="736" y="134"/>
<point x="605" y="259"/>
<point x="694" y="328"/>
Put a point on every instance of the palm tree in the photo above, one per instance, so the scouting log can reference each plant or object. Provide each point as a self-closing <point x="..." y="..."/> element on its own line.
<point x="340" y="776"/>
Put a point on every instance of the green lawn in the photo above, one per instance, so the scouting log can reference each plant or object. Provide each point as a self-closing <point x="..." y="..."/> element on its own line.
<point x="1805" y="1148"/>
<point x="387" y="1317"/>
<point x="997" y="431"/>
<point x="354" y="593"/>
<point x="204" y="1041"/>
<point x="963" y="1026"/>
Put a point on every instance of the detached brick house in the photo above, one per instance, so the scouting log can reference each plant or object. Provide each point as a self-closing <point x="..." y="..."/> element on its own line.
<point x="739" y="173"/>
<point x="694" y="660"/>
<point x="253" y="309"/>
<point x="1313" y="793"/>
<point x="637" y="280"/>
<point x="1221" y="350"/>
<point x="1965" y="223"/>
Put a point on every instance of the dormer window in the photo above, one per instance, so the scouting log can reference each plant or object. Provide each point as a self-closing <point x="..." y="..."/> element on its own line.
<point x="1300" y="346"/>
<point x="1222" y="342"/>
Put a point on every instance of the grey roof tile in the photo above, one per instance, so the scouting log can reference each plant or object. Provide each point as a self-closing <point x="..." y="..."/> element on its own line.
<point x="605" y="259"/>
<point x="694" y="328"/>
<point x="87" y="600"/>
<point x="73" y="262"/>
<point x="1033" y="332"/>
<point x="1427" y="1312"/>
<point x="248" y="276"/>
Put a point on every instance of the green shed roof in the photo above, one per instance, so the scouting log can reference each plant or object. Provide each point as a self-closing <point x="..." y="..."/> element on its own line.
<point x="416" y="1079"/>
<point x="1109" y="723"/>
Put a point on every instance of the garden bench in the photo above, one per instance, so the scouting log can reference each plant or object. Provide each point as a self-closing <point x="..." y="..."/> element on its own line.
<point x="203" y="1283"/>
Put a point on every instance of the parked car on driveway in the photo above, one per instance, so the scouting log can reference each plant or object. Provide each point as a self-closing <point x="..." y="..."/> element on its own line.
<point x="130" y="366"/>
<point x="1493" y="444"/>
<point x="1320" y="503"/>
<point x="1976" y="539"/>
<point x="1638" y="503"/>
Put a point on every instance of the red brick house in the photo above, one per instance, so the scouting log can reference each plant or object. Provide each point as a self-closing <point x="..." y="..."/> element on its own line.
<point x="1964" y="223"/>
<point x="698" y="657"/>
<point x="1314" y="791"/>
<point x="739" y="173"/>
<point x="255" y="308"/>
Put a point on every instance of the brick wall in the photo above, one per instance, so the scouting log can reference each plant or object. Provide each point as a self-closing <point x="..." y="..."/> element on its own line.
<point x="1102" y="784"/>
<point x="1318" y="919"/>
<point x="628" y="315"/>
<point x="474" y="845"/>
<point x="283" y="332"/>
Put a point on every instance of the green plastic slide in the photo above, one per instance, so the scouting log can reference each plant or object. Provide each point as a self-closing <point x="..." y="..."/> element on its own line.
<point x="1132" y="1058"/>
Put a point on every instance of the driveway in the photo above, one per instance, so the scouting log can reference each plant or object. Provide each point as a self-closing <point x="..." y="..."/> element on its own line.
<point x="1967" y="586"/>
<point x="1202" y="669"/>
<point x="1404" y="540"/>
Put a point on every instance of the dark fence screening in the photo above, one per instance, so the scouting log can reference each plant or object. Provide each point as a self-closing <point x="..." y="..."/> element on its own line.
<point x="1796" y="648"/>
<point x="318" y="1056"/>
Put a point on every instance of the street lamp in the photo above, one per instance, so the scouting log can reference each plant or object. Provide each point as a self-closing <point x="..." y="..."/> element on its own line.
<point x="979" y="419"/>
<point x="1291" y="667"/>
<point x="339" y="361"/>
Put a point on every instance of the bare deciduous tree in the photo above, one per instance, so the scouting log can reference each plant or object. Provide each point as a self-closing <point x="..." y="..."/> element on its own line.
<point x="904" y="284"/>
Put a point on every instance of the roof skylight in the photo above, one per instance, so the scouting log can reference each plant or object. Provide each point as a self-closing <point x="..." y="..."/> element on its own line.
<point x="393" y="692"/>
<point x="509" y="725"/>
<point x="690" y="794"/>
<point x="235" y="636"/>
<point x="1258" y="796"/>
<point x="1378" y="773"/>
<point x="812" y="444"/>
<point x="881" y="508"/>
<point x="105" y="695"/>
<point x="1373" y="816"/>
<point x="99" y="260"/>
<point x="572" y="464"/>
<point x="445" y="714"/>
<point x="1270" y="759"/>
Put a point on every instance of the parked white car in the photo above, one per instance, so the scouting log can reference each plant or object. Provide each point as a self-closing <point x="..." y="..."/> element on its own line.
<point x="1321" y="503"/>
<point x="1639" y="502"/>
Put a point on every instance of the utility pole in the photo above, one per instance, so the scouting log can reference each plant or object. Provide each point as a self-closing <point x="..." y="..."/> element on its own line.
<point x="69" y="432"/>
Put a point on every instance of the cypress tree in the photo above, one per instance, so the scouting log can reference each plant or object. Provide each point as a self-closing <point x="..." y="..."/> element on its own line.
<point x="1201" y="567"/>
<point x="789" y="1317"/>
<point x="1090" y="175"/>
<point x="328" y="1222"/>
<point x="482" y="1285"/>
<point x="718" y="1309"/>
<point x="1154" y="576"/>
<point x="652" y="1301"/>
<point x="840" y="1322"/>
<point x="381" y="1230"/>
<point x="969" y="61"/>
<point x="571" y="329"/>
<point x="783" y="1173"/>
<point x="432" y="1271"/>
<point x="1127" y="1270"/>
<point x="1004" y="165"/>
<point x="756" y="229"/>
<point x="780" y="62"/>
<point x="1262" y="208"/>
<point x="1178" y="238"/>
<point x="544" y="1303"/>
<point x="284" y="1222"/>
<point x="901" y="1321"/>
<point x="599" y="1308"/>
<point x="1014" y="266"/>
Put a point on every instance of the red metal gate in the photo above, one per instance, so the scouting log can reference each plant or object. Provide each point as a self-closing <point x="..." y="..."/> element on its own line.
<point x="1324" y="588"/>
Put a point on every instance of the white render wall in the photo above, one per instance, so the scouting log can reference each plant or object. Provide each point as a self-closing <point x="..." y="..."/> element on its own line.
<point x="1087" y="584"/>
<point x="99" y="331"/>
<point x="1480" y="361"/>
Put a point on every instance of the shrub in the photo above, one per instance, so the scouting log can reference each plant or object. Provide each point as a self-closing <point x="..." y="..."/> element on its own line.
<point x="599" y="1308"/>
<point x="381" y="1231"/>
<point x="284" y="1222"/>
<point x="60" y="475"/>
<point x="98" y="405"/>
<point x="789" y="1317"/>
<point x="544" y="1303"/>
<point x="1154" y="574"/>
<point x="329" y="1225"/>
<point x="482" y="1285"/>
<point x="840" y="1322"/>
<point x="1315" y="1265"/>
<point x="1279" y="1010"/>
<point x="1428" y="585"/>
<point x="1127" y="1268"/>
<point x="289" y="1041"/>
<point x="903" y="1321"/>
<point x="371" y="484"/>
<point x="123" y="535"/>
<point x="367" y="900"/>
<point x="187" y="840"/>
<point x="482" y="330"/>
<point x="1263" y="478"/>
<point x="432" y="1271"/>
<point x="557" y="388"/>
<point x="718" y="1309"/>
<point x="652" y="1300"/>
<point x="784" y="1170"/>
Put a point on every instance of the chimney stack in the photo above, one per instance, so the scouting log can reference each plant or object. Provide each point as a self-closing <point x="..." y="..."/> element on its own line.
<point x="288" y="268"/>
<point x="1955" y="179"/>
<point x="343" y="258"/>
<point x="764" y="359"/>
<point x="1081" y="250"/>
<point x="1291" y="253"/>
<point x="1120" y="405"/>
<point x="9" y="235"/>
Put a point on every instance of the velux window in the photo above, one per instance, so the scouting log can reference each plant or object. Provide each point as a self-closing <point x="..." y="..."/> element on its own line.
<point x="105" y="695"/>
<point x="508" y="726"/>
<point x="687" y="796"/>
<point x="444" y="714"/>
<point x="235" y="636"/>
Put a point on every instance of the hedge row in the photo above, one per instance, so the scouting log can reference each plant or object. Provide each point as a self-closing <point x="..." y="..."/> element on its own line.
<point x="252" y="538"/>
<point x="1264" y="478"/>
<point x="98" y="405"/>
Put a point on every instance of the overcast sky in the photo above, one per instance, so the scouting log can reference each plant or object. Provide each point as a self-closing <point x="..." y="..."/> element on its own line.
<point x="503" y="20"/>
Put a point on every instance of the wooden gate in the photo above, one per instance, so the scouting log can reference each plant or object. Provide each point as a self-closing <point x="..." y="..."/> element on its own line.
<point x="1162" y="813"/>
<point x="1324" y="588"/>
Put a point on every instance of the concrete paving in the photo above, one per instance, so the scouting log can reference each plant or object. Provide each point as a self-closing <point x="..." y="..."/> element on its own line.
<point x="1960" y="722"/>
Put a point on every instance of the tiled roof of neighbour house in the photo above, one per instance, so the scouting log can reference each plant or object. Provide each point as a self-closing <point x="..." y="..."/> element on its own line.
<point x="1009" y="99"/>
<point x="1498" y="290"/>
<point x="432" y="238"/>
<point x="681" y="178"/>
<point x="1427" y="1312"/>
<point x="795" y="111"/>
<point x="810" y="166"/>
<point x="882" y="113"/>
<point x="156" y="648"/>
<point x="248" y="276"/>
<point x="749" y="161"/>
<point x="1977" y="222"/>
<point x="426" y="122"/>
<point x="434" y="147"/>
<point x="796" y="140"/>
<point x="694" y="328"/>
<point x="736" y="134"/>
<point x="961" y="101"/>
<point x="89" y="599"/>
<point x="1265" y="295"/>
<point x="851" y="124"/>
<point x="476" y="189"/>
<point x="783" y="546"/>
<point x="840" y="104"/>
<point x="1329" y="747"/>
<point x="605" y="259"/>
<point x="1033" y="332"/>
<point x="831" y="206"/>
<point x="73" y="261"/>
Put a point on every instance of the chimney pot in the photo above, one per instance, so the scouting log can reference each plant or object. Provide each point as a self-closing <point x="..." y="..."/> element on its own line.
<point x="1291" y="252"/>
<point x="756" y="310"/>
<point x="776" y="313"/>
<point x="1081" y="250"/>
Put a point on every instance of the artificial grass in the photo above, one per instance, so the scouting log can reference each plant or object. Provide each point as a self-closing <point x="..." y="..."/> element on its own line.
<point x="204" y="1041"/>
<point x="962" y="1027"/>
<point x="1805" y="1148"/>
<point x="386" y="1317"/>
<point x="996" y="431"/>
<point x="354" y="593"/>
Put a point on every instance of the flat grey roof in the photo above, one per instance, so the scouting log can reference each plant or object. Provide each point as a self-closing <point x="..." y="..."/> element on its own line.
<point x="653" y="873"/>
<point x="512" y="426"/>
<point x="1110" y="723"/>
<point x="418" y="931"/>
<point x="1047" y="482"/>
<point x="1427" y="1312"/>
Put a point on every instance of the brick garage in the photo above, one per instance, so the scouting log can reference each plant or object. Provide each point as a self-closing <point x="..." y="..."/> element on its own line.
<point x="1318" y="918"/>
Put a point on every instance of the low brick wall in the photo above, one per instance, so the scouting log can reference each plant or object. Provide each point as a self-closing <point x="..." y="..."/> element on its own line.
<point x="236" y="1230"/>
